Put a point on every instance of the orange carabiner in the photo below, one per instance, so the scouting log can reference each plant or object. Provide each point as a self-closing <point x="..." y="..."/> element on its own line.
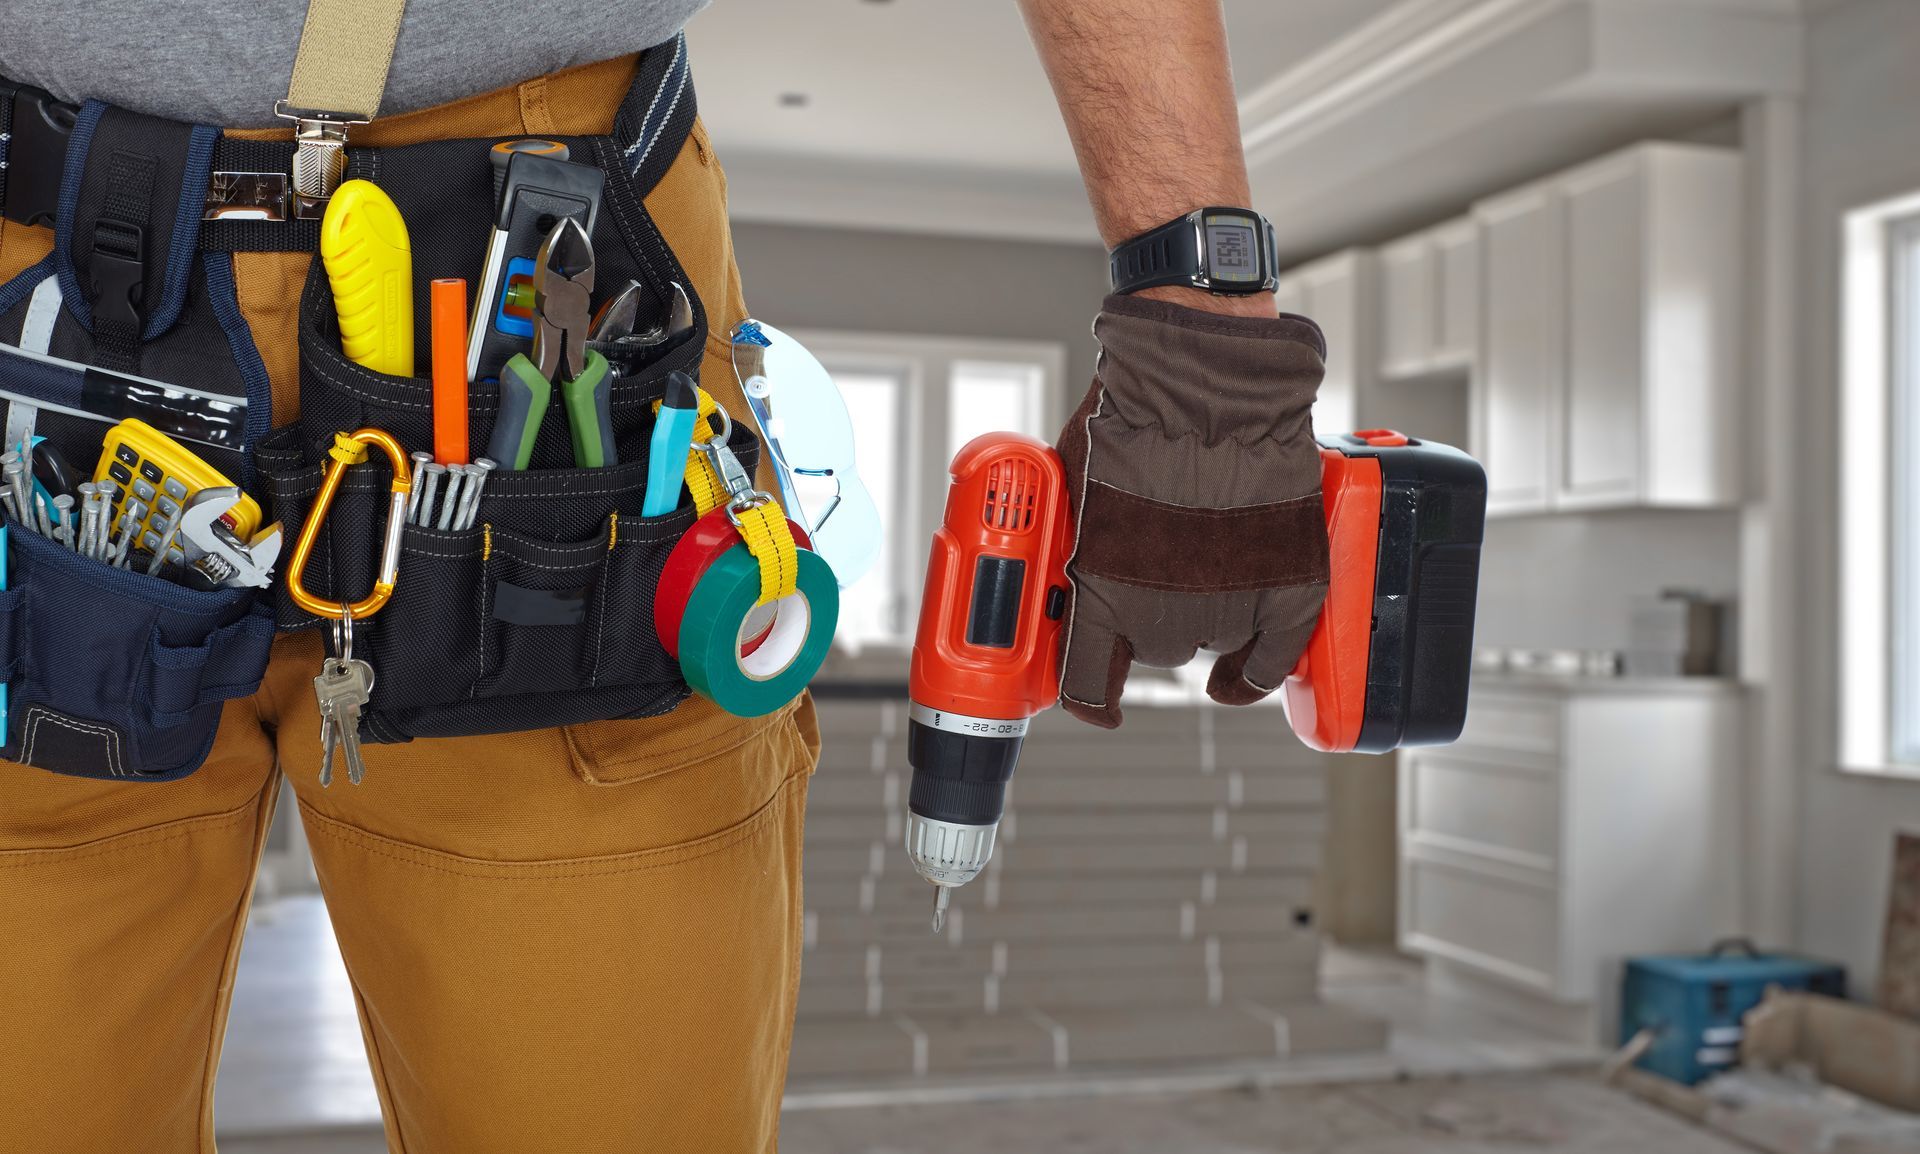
<point x="351" y="450"/>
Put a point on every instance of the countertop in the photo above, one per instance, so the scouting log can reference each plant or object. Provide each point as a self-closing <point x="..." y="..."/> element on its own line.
<point x="1577" y="683"/>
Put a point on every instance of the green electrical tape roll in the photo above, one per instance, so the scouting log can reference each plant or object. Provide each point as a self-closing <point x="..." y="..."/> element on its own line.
<point x="777" y="671"/>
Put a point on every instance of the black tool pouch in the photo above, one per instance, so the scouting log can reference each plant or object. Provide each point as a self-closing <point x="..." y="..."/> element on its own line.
<point x="112" y="673"/>
<point x="542" y="613"/>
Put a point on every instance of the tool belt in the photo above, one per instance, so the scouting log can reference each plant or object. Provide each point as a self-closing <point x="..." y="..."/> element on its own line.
<point x="540" y="614"/>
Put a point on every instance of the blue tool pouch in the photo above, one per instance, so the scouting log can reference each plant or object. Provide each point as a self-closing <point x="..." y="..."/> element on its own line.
<point x="112" y="673"/>
<point x="116" y="674"/>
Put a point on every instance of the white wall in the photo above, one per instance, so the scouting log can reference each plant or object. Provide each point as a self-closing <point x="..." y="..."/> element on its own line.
<point x="1568" y="581"/>
<point x="1862" y="146"/>
<point x="799" y="277"/>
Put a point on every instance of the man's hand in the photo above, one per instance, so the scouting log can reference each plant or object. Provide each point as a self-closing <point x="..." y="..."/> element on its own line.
<point x="1191" y="465"/>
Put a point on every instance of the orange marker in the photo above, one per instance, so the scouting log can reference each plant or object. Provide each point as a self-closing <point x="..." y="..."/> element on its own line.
<point x="450" y="371"/>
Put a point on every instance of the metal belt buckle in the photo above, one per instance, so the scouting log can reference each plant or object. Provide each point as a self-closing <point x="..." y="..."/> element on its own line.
<point x="247" y="196"/>
<point x="320" y="155"/>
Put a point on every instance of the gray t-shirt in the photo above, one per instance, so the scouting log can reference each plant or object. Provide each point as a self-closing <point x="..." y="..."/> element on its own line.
<point x="224" y="62"/>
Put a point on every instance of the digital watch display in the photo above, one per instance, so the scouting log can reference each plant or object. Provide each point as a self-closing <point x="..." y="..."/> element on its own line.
<point x="1218" y="250"/>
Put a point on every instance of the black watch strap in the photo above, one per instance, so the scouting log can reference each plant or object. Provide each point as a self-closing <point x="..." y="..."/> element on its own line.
<point x="1218" y="250"/>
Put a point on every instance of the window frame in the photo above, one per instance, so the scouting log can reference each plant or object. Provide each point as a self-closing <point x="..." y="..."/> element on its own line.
<point x="1879" y="489"/>
<point x="925" y="366"/>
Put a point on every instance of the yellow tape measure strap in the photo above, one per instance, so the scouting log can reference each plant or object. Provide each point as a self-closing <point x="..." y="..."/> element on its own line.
<point x="764" y="528"/>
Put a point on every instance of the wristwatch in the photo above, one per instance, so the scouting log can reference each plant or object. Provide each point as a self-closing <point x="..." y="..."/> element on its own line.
<point x="1219" y="250"/>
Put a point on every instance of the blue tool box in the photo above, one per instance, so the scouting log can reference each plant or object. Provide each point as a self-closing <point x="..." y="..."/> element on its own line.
<point x="1694" y="1003"/>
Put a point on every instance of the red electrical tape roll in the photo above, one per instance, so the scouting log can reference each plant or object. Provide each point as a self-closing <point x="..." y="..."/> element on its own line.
<point x="710" y="536"/>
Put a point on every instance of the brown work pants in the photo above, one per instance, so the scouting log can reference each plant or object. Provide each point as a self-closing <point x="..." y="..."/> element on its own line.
<point x="581" y="941"/>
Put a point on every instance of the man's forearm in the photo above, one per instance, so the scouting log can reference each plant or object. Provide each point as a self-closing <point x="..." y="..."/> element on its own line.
<point x="1147" y="92"/>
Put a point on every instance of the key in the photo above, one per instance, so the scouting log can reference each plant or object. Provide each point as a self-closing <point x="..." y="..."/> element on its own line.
<point x="346" y="718"/>
<point x="327" y="739"/>
<point x="341" y="689"/>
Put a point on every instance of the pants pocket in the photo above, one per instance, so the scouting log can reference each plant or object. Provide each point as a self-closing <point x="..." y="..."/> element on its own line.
<point x="599" y="1005"/>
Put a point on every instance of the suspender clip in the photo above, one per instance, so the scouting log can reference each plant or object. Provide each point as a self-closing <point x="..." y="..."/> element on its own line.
<point x="320" y="155"/>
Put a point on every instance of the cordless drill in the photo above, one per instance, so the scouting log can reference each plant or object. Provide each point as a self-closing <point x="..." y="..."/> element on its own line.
<point x="1387" y="664"/>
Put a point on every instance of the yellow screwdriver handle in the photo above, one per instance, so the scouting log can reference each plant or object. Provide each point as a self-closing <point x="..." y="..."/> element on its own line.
<point x="369" y="259"/>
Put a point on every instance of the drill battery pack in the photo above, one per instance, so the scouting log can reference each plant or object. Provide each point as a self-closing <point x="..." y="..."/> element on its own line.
<point x="1389" y="661"/>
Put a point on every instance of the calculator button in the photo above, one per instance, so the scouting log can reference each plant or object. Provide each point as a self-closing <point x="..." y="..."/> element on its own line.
<point x="175" y="489"/>
<point x="150" y="541"/>
<point x="143" y="491"/>
<point x="168" y="507"/>
<point x="150" y="471"/>
<point x="127" y="454"/>
<point x="135" y="510"/>
<point x="120" y="473"/>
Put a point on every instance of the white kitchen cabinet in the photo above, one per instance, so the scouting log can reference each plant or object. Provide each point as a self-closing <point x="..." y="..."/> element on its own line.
<point x="1609" y="340"/>
<point x="1430" y="301"/>
<point x="1522" y="362"/>
<point x="1655" y="296"/>
<point x="1456" y="248"/>
<point x="1574" y="824"/>
<point x="1409" y="286"/>
<point x="1337" y="293"/>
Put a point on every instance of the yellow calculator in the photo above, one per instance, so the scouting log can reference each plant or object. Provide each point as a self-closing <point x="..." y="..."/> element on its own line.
<point x="156" y="475"/>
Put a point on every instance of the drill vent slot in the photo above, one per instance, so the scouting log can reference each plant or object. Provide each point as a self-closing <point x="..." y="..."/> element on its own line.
<point x="1013" y="492"/>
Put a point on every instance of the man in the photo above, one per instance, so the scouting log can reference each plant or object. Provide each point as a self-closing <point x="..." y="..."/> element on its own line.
<point x="586" y="940"/>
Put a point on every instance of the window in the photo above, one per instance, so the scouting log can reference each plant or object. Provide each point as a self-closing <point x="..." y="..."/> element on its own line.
<point x="1879" y="633"/>
<point x="876" y="401"/>
<point x="993" y="396"/>
<point x="1905" y="598"/>
<point x="914" y="402"/>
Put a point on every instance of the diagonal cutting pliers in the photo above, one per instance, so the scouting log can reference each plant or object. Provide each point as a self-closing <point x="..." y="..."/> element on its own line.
<point x="563" y="313"/>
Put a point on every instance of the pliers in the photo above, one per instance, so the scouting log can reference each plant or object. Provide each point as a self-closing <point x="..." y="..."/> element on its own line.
<point x="563" y="312"/>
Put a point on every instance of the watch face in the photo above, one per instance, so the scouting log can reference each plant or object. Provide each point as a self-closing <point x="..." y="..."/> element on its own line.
<point x="1233" y="250"/>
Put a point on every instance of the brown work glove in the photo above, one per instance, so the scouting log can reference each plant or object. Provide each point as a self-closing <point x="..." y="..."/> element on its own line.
<point x="1195" y="484"/>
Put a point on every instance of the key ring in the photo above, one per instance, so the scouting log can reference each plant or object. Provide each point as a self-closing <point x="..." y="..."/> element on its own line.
<point x="343" y="633"/>
<point x="351" y="449"/>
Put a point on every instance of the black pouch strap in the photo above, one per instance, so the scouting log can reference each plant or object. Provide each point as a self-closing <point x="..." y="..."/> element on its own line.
<point x="657" y="114"/>
<point x="224" y="666"/>
<point x="33" y="141"/>
<point x="128" y="226"/>
<point x="117" y="263"/>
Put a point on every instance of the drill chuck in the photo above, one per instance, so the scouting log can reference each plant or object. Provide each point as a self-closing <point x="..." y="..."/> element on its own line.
<point x="946" y="853"/>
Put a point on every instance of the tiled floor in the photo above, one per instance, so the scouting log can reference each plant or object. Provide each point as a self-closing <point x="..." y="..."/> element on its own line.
<point x="1498" y="1114"/>
<point x="294" y="1062"/>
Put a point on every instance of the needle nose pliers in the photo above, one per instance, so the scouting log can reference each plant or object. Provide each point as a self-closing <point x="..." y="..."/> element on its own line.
<point x="563" y="312"/>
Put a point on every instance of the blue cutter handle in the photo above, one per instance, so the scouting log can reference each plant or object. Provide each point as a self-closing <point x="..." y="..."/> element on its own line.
<point x="672" y="440"/>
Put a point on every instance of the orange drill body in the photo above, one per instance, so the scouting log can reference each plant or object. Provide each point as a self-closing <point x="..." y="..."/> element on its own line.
<point x="988" y="644"/>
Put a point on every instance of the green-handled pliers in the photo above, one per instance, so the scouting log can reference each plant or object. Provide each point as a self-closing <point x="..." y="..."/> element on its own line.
<point x="563" y="311"/>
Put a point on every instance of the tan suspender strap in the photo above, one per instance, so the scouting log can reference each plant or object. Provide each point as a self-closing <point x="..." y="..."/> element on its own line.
<point x="346" y="50"/>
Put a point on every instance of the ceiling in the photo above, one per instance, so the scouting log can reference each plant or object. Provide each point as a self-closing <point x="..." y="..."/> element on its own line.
<point x="932" y="84"/>
<point x="1360" y="116"/>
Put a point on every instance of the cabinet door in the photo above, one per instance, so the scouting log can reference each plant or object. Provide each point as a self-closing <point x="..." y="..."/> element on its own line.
<point x="1407" y="323"/>
<point x="1607" y="301"/>
<point x="1522" y="357"/>
<point x="1333" y="299"/>
<point x="1456" y="253"/>
<point x="1291" y="295"/>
